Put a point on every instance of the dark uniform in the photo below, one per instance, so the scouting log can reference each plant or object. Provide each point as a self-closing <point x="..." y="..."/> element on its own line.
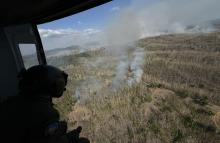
<point x="31" y="117"/>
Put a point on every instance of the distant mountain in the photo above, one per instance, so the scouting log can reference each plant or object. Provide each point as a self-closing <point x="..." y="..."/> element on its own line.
<point x="62" y="56"/>
<point x="63" y="51"/>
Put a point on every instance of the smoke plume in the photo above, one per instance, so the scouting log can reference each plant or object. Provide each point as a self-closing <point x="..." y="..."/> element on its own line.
<point x="135" y="67"/>
<point x="147" y="18"/>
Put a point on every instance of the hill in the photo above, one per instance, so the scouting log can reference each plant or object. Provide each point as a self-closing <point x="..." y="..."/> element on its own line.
<point x="177" y="99"/>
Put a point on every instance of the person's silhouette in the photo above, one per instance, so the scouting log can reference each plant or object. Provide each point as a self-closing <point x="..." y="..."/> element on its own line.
<point x="30" y="117"/>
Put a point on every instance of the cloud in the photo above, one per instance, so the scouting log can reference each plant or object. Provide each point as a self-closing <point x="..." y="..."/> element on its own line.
<point x="114" y="9"/>
<point x="61" y="38"/>
<point x="50" y="33"/>
<point x="90" y="31"/>
<point x="140" y="19"/>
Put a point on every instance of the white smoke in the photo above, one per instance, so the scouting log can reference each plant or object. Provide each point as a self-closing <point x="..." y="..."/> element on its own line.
<point x="136" y="67"/>
<point x="145" y="18"/>
<point x="90" y="86"/>
<point x="173" y="16"/>
<point x="129" y="69"/>
<point x="121" y="33"/>
<point x="121" y="70"/>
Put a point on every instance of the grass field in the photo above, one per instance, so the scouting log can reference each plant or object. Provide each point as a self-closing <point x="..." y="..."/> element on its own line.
<point x="177" y="99"/>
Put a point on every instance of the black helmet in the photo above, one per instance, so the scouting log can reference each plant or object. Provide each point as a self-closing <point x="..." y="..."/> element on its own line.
<point x="42" y="79"/>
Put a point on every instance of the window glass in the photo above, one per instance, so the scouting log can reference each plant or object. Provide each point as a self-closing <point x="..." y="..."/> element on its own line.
<point x="29" y="54"/>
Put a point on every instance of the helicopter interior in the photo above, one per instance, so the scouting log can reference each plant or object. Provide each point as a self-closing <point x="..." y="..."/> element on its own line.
<point x="19" y="20"/>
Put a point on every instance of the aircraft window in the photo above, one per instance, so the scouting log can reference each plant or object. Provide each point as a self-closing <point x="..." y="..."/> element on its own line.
<point x="29" y="54"/>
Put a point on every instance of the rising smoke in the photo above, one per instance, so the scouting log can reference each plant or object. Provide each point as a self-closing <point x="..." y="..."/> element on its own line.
<point x="144" y="18"/>
<point x="135" y="67"/>
<point x="174" y="16"/>
<point x="149" y="18"/>
<point x="129" y="69"/>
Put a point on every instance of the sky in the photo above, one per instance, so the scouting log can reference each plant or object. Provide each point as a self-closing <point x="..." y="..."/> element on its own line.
<point x="122" y="21"/>
<point x="78" y="28"/>
<point x="96" y="17"/>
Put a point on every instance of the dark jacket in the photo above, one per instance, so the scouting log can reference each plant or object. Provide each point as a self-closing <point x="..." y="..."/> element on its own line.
<point x="26" y="119"/>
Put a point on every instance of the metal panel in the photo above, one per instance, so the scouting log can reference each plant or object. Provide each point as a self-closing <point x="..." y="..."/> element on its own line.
<point x="13" y="12"/>
<point x="9" y="68"/>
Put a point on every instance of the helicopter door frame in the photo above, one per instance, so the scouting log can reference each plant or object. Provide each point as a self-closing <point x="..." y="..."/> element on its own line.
<point x="11" y="57"/>
<point x="25" y="34"/>
<point x="39" y="46"/>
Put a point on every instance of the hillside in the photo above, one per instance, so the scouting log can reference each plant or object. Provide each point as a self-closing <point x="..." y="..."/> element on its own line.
<point x="177" y="99"/>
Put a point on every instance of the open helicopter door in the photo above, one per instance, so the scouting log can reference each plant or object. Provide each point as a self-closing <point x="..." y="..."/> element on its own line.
<point x="13" y="40"/>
